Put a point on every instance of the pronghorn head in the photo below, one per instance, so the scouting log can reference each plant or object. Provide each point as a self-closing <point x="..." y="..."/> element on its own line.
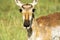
<point x="27" y="11"/>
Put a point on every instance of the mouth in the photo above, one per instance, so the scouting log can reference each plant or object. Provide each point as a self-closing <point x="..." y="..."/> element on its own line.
<point x="27" y="27"/>
<point x="27" y="24"/>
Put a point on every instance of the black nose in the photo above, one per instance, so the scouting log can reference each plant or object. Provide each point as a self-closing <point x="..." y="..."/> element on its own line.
<point x="26" y="23"/>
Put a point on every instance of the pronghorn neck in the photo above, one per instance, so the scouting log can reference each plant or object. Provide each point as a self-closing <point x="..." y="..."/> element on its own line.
<point x="34" y="24"/>
<point x="30" y="30"/>
<point x="34" y="28"/>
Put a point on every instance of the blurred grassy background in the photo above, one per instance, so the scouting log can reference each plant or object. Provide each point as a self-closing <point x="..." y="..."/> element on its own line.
<point x="11" y="27"/>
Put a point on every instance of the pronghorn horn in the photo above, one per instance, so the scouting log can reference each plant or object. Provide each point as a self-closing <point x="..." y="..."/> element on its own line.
<point x="34" y="2"/>
<point x="18" y="3"/>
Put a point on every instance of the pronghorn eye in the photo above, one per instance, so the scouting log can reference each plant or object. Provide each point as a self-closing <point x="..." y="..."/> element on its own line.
<point x="33" y="10"/>
<point x="20" y="10"/>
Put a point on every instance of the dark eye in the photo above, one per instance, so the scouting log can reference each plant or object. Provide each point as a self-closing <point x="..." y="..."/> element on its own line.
<point x="20" y="10"/>
<point x="33" y="10"/>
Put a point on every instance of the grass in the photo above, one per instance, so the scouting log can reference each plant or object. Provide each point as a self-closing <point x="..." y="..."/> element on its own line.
<point x="11" y="24"/>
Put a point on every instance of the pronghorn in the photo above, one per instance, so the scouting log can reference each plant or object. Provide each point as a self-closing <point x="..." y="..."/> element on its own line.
<point x="42" y="28"/>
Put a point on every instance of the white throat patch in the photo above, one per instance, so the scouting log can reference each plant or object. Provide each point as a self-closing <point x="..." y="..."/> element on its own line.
<point x="55" y="33"/>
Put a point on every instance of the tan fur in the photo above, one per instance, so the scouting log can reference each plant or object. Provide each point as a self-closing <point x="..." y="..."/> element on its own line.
<point x="43" y="25"/>
<point x="26" y="14"/>
<point x="50" y="20"/>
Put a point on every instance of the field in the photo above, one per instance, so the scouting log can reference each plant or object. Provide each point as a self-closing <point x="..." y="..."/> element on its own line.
<point x="11" y="24"/>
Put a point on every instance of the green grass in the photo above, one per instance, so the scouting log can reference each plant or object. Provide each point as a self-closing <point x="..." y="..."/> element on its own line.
<point x="11" y="24"/>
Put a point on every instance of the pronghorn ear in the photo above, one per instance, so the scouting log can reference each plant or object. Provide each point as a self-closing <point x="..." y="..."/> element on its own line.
<point x="34" y="2"/>
<point x="18" y="3"/>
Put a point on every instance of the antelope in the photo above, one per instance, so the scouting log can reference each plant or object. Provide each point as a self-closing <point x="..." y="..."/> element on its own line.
<point x="42" y="28"/>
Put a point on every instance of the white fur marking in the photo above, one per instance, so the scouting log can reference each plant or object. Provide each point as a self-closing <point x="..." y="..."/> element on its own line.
<point x="55" y="33"/>
<point x="23" y="18"/>
<point x="38" y="38"/>
<point x="33" y="37"/>
<point x="30" y="18"/>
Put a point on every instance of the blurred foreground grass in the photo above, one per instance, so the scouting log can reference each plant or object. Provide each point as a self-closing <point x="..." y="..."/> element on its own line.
<point x="11" y="25"/>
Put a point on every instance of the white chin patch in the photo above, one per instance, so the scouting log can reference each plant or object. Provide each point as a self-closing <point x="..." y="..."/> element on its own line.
<point x="26" y="27"/>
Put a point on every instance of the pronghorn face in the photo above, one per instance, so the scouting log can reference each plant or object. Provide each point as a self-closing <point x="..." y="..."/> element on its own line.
<point x="27" y="11"/>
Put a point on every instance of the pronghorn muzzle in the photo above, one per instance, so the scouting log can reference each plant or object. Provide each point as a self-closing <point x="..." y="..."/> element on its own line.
<point x="26" y="23"/>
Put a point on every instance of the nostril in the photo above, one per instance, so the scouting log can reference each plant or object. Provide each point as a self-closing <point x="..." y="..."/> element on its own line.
<point x="26" y="24"/>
